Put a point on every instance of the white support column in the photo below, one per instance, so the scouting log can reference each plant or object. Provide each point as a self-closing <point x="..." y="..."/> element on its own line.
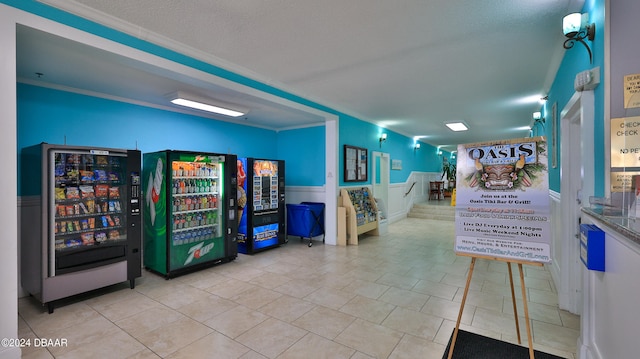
<point x="8" y="184"/>
<point x="331" y="180"/>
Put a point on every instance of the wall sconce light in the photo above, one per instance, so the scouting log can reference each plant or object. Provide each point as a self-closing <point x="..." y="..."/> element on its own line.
<point x="383" y="137"/>
<point x="439" y="153"/>
<point x="577" y="28"/>
<point x="416" y="147"/>
<point x="538" y="119"/>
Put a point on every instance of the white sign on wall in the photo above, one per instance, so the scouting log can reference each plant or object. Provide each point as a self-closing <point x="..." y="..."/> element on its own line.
<point x="632" y="91"/>
<point x="502" y="204"/>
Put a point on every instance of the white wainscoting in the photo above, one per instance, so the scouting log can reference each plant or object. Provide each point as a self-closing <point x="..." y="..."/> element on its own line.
<point x="298" y="194"/>
<point x="396" y="209"/>
<point x="556" y="247"/>
<point x="565" y="266"/>
<point x="28" y="207"/>
<point x="402" y="196"/>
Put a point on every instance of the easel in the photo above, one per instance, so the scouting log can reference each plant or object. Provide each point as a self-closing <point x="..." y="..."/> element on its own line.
<point x="513" y="297"/>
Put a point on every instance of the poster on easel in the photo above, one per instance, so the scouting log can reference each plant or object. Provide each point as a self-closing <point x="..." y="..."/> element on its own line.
<point x="502" y="200"/>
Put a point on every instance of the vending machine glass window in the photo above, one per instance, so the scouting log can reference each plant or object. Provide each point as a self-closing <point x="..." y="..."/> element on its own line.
<point x="196" y="214"/>
<point x="84" y="230"/>
<point x="187" y="224"/>
<point x="87" y="190"/>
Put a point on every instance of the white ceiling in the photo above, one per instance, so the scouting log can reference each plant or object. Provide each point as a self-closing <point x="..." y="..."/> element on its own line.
<point x="406" y="65"/>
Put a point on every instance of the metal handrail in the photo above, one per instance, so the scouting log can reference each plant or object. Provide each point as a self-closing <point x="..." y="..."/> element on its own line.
<point x="410" y="189"/>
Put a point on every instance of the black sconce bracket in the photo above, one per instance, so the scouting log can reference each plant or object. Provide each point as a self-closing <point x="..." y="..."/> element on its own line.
<point x="579" y="36"/>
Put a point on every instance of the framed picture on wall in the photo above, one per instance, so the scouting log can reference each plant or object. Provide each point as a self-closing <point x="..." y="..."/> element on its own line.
<point x="355" y="164"/>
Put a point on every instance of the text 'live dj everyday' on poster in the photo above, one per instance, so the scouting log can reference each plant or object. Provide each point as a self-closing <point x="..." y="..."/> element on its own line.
<point x="502" y="203"/>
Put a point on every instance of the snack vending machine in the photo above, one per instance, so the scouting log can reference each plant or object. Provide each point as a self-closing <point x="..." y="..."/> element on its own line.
<point x="85" y="230"/>
<point x="260" y="204"/>
<point x="190" y="217"/>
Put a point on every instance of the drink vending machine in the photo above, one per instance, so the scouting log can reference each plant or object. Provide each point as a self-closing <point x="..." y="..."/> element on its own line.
<point x="190" y="219"/>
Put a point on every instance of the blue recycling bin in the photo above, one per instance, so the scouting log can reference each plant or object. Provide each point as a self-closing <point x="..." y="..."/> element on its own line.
<point x="306" y="220"/>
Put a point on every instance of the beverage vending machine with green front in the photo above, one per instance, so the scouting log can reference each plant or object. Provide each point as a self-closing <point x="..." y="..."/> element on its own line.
<point x="190" y="211"/>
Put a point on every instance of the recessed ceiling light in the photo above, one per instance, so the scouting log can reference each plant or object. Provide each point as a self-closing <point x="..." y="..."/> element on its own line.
<point x="456" y="126"/>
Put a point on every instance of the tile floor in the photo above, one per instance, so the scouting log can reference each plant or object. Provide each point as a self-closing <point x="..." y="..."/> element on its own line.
<point x="393" y="296"/>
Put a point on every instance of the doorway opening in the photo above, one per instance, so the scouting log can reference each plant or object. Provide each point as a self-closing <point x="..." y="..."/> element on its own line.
<point x="380" y="181"/>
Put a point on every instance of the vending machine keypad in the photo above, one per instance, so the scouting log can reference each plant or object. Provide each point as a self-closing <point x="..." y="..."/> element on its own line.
<point x="135" y="194"/>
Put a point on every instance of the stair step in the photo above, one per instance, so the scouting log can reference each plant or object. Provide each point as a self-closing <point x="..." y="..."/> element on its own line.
<point x="435" y="208"/>
<point x="428" y="205"/>
<point x="431" y="216"/>
<point x="430" y="211"/>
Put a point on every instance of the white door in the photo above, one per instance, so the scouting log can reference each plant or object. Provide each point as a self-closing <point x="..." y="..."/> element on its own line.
<point x="380" y="177"/>
<point x="576" y="186"/>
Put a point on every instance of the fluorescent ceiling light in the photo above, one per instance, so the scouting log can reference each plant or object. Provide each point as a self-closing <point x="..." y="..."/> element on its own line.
<point x="206" y="104"/>
<point x="457" y="126"/>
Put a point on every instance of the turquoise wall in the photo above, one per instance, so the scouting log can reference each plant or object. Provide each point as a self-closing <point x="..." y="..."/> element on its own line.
<point x="52" y="116"/>
<point x="47" y="115"/>
<point x="576" y="60"/>
<point x="58" y="117"/>
<point x="358" y="133"/>
<point x="303" y="151"/>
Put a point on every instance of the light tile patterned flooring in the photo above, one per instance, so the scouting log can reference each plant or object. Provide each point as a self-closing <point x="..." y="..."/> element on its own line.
<point x="393" y="296"/>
